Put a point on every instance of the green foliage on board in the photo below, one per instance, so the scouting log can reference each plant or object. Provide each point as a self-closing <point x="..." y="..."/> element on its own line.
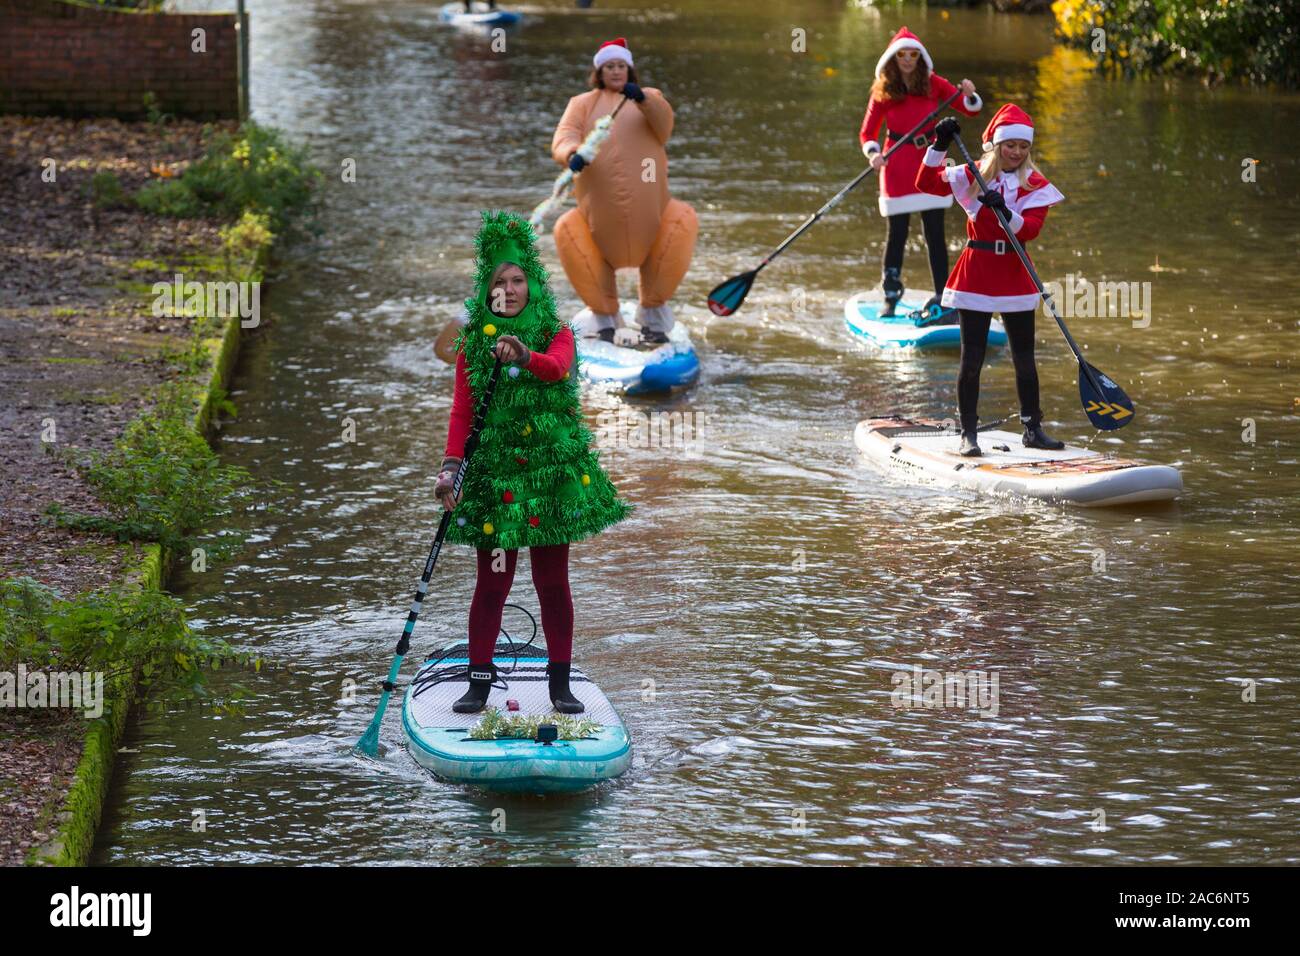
<point x="494" y="725"/>
<point x="1257" y="40"/>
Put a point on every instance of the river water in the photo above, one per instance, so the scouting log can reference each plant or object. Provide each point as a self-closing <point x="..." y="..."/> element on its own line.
<point x="748" y="619"/>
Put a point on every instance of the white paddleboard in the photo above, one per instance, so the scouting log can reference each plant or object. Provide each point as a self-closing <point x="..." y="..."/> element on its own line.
<point x="924" y="451"/>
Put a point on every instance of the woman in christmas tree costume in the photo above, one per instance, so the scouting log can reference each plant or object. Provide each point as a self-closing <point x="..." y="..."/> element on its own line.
<point x="534" y="480"/>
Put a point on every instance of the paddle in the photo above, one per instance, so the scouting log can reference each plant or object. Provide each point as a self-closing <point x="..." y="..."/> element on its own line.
<point x="727" y="297"/>
<point x="369" y="742"/>
<point x="1104" y="402"/>
<point x="590" y="146"/>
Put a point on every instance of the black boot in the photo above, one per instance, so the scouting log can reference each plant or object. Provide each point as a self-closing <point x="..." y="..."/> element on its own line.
<point x="606" y="335"/>
<point x="970" y="446"/>
<point x="893" y="286"/>
<point x="480" y="685"/>
<point x="557" y="672"/>
<point x="1035" y="437"/>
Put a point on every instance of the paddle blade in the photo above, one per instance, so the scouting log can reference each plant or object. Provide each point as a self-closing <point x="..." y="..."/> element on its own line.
<point x="369" y="742"/>
<point x="1104" y="402"/>
<point x="726" y="298"/>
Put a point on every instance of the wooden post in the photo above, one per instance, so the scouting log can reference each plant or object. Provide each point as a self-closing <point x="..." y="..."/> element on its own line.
<point x="242" y="28"/>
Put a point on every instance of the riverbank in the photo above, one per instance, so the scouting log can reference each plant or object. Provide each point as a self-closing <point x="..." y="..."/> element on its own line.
<point x="87" y="349"/>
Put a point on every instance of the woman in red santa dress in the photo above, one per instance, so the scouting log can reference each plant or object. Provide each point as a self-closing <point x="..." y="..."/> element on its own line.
<point x="989" y="277"/>
<point x="906" y="91"/>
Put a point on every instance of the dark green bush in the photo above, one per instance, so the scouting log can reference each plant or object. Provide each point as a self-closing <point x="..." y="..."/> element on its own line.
<point x="106" y="191"/>
<point x="254" y="170"/>
<point x="109" y="631"/>
<point x="162" y="482"/>
<point x="1258" y="40"/>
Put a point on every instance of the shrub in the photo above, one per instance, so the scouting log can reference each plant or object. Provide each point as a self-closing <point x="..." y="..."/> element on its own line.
<point x="106" y="192"/>
<point x="251" y="171"/>
<point x="112" y="630"/>
<point x="1252" y="39"/>
<point x="162" y="482"/>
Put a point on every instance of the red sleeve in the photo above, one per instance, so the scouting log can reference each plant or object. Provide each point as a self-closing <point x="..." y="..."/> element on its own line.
<point x="1033" y="223"/>
<point x="551" y="365"/>
<point x="462" y="411"/>
<point x="872" y="122"/>
<point x="943" y="88"/>
<point x="929" y="179"/>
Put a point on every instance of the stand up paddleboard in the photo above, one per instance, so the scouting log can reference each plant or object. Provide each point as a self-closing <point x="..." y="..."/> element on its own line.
<point x="438" y="737"/>
<point x="924" y="451"/>
<point x="481" y="15"/>
<point x="863" y="318"/>
<point x="636" y="371"/>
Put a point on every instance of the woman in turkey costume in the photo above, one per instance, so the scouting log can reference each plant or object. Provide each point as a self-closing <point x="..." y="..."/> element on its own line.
<point x="534" y="480"/>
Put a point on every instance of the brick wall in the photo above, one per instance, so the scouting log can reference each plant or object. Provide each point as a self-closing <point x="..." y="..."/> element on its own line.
<point x="73" y="59"/>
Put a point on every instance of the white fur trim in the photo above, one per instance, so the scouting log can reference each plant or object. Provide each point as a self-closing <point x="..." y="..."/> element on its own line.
<point x="615" y="52"/>
<point x="903" y="44"/>
<point x="966" y="192"/>
<point x="1013" y="131"/>
<point x="933" y="157"/>
<point x="912" y="202"/>
<point x="955" y="298"/>
<point x="869" y="147"/>
<point x="1016" y="221"/>
<point x="973" y="102"/>
<point x="1047" y="195"/>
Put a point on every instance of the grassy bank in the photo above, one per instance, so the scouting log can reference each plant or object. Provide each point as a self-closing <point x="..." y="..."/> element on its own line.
<point x="125" y="401"/>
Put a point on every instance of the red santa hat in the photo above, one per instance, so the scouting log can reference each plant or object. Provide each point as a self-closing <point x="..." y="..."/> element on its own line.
<point x="904" y="39"/>
<point x="1010" y="122"/>
<point x="612" y="50"/>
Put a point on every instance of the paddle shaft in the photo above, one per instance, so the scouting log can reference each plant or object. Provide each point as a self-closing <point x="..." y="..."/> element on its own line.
<point x="1029" y="267"/>
<point x="612" y="116"/>
<point x="471" y="443"/>
<point x="370" y="739"/>
<point x="835" y="200"/>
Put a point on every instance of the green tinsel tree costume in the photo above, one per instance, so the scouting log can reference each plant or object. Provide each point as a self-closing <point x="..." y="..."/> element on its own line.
<point x="534" y="478"/>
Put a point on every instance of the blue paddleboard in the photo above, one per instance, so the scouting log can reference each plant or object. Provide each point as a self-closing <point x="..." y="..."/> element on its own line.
<point x="863" y="318"/>
<point x="633" y="370"/>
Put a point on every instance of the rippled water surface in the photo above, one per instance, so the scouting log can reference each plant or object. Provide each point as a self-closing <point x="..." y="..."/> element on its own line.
<point x="770" y="582"/>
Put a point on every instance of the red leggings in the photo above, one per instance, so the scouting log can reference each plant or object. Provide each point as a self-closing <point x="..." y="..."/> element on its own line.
<point x="550" y="577"/>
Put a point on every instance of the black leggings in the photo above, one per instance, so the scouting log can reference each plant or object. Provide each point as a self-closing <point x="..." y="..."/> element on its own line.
<point x="932" y="225"/>
<point x="974" y="341"/>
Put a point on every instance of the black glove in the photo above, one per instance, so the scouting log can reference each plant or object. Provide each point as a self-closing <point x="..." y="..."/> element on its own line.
<point x="945" y="132"/>
<point x="995" y="202"/>
<point x="633" y="92"/>
<point x="576" y="162"/>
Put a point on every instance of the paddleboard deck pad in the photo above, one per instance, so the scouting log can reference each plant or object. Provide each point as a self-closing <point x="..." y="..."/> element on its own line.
<point x="900" y="331"/>
<point x="925" y="451"/>
<point x="481" y="15"/>
<point x="637" y="371"/>
<point x="438" y="737"/>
